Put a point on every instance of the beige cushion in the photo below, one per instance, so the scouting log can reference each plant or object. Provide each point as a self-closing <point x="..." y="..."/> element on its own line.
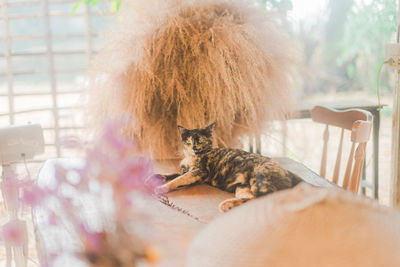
<point x="304" y="226"/>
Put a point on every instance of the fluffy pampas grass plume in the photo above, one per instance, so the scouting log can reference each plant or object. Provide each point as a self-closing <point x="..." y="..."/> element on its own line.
<point x="189" y="63"/>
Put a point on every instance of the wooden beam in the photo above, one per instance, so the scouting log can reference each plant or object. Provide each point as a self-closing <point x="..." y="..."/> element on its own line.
<point x="395" y="145"/>
<point x="396" y="132"/>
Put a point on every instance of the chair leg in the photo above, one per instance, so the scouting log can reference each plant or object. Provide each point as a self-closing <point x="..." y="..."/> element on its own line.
<point x="364" y="178"/>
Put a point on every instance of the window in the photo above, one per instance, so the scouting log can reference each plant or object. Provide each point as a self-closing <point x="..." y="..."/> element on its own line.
<point x="45" y="51"/>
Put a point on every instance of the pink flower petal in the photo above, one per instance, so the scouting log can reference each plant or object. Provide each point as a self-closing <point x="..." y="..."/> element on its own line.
<point x="92" y="241"/>
<point x="52" y="219"/>
<point x="33" y="196"/>
<point x="14" y="232"/>
<point x="134" y="172"/>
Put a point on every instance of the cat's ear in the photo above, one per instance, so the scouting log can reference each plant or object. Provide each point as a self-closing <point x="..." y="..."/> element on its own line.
<point x="210" y="128"/>
<point x="181" y="129"/>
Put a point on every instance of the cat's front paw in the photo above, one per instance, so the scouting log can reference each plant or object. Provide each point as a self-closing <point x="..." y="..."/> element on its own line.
<point x="226" y="205"/>
<point x="161" y="190"/>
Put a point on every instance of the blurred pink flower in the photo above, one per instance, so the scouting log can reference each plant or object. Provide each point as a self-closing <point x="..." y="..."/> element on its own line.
<point x="92" y="241"/>
<point x="50" y="260"/>
<point x="72" y="141"/>
<point x="52" y="218"/>
<point x="113" y="138"/>
<point x="60" y="175"/>
<point x="10" y="187"/>
<point x="112" y="160"/>
<point x="134" y="171"/>
<point x="154" y="181"/>
<point x="14" y="232"/>
<point x="33" y="195"/>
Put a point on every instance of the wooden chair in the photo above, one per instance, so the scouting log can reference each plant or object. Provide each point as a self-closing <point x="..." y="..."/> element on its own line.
<point x="359" y="122"/>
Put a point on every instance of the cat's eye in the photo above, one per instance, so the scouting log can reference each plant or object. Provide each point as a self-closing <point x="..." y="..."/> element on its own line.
<point x="202" y="140"/>
<point x="188" y="142"/>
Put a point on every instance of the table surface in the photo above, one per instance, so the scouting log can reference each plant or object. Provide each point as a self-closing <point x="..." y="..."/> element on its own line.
<point x="171" y="229"/>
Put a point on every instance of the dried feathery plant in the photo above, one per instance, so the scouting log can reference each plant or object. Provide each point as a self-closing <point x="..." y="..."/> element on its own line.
<point x="189" y="63"/>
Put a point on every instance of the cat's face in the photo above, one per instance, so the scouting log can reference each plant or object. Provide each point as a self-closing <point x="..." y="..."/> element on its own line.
<point x="197" y="140"/>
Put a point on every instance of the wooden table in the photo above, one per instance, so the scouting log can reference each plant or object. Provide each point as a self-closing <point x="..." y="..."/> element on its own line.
<point x="170" y="229"/>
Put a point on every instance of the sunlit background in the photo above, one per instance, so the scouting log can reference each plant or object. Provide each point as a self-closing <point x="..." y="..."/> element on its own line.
<point x="46" y="47"/>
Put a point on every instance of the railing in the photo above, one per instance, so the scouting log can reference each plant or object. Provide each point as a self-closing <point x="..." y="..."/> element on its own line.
<point x="36" y="92"/>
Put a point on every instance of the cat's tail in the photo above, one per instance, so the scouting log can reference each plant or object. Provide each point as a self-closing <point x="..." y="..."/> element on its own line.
<point x="269" y="182"/>
<point x="295" y="179"/>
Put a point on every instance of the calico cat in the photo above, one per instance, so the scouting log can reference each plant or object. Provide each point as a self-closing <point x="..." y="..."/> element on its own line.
<point x="248" y="175"/>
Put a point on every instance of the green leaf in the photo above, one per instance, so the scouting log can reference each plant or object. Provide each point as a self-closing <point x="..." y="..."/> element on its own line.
<point x="274" y="3"/>
<point x="77" y="4"/>
<point x="386" y="111"/>
<point x="86" y="2"/>
<point x="282" y="4"/>
<point x="94" y="2"/>
<point x="115" y="5"/>
<point x="351" y="71"/>
<point x="289" y="5"/>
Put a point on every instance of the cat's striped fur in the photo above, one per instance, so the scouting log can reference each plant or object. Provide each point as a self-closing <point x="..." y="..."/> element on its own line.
<point x="248" y="175"/>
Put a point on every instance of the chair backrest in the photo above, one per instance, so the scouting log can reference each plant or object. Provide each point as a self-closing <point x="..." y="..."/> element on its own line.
<point x="359" y="122"/>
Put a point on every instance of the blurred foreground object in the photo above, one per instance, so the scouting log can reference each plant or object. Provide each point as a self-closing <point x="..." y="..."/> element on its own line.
<point x="17" y="144"/>
<point x="98" y="198"/>
<point x="304" y="226"/>
<point x="20" y="142"/>
<point x="190" y="63"/>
